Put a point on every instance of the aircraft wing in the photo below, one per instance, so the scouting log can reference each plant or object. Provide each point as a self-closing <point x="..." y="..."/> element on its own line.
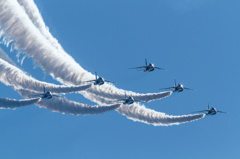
<point x="160" y="68"/>
<point x="110" y="81"/>
<point x="37" y="95"/>
<point x="137" y="101"/>
<point x="166" y="88"/>
<point x="54" y="95"/>
<point x="189" y="89"/>
<point x="221" y="112"/>
<point x="88" y="81"/>
<point x="200" y="111"/>
<point x="138" y="67"/>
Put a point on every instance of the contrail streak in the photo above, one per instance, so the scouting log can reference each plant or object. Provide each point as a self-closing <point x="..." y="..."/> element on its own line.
<point x="13" y="76"/>
<point x="62" y="105"/>
<point x="18" y="27"/>
<point x="105" y="91"/>
<point x="63" y="68"/>
<point x="36" y="18"/>
<point x="6" y="103"/>
<point x="57" y="104"/>
<point x="4" y="56"/>
<point x="148" y="116"/>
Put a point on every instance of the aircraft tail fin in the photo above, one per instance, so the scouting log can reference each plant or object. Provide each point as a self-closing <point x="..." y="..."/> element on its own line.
<point x="174" y="83"/>
<point x="145" y="61"/>
<point x="207" y="106"/>
<point x="96" y="75"/>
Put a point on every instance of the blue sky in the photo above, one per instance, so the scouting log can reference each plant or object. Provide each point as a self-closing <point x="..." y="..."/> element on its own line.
<point x="197" y="42"/>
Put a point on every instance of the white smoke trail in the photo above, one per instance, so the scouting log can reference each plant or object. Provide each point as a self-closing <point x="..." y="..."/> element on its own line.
<point x="4" y="56"/>
<point x="148" y="116"/>
<point x="61" y="105"/>
<point x="13" y="76"/>
<point x="6" y="103"/>
<point x="64" y="68"/>
<point x="36" y="18"/>
<point x="18" y="27"/>
<point x="64" y="106"/>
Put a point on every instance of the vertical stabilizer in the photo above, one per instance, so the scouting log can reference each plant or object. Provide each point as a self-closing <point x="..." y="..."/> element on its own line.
<point x="96" y="75"/>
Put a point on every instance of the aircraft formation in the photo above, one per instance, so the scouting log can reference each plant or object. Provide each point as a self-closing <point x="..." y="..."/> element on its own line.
<point x="48" y="54"/>
<point x="130" y="100"/>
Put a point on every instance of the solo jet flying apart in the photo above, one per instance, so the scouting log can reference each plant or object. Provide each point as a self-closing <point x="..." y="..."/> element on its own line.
<point x="211" y="111"/>
<point x="178" y="88"/>
<point x="129" y="100"/>
<point x="99" y="80"/>
<point x="47" y="95"/>
<point x="148" y="67"/>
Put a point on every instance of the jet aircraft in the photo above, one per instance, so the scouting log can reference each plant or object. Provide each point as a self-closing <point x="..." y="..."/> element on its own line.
<point x="178" y="88"/>
<point x="148" y="67"/>
<point x="47" y="95"/>
<point x="99" y="80"/>
<point x="211" y="111"/>
<point x="129" y="100"/>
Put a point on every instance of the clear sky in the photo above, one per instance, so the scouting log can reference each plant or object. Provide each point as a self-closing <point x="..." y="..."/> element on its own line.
<point x="197" y="42"/>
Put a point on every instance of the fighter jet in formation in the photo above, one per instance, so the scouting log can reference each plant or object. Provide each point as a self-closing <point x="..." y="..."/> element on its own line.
<point x="99" y="80"/>
<point x="47" y="95"/>
<point x="178" y="88"/>
<point x="211" y="111"/>
<point x="148" y="67"/>
<point x="128" y="101"/>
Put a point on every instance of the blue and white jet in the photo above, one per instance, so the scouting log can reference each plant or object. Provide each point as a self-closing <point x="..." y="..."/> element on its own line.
<point x="128" y="101"/>
<point x="178" y="88"/>
<point x="99" y="80"/>
<point x="47" y="95"/>
<point x="148" y="67"/>
<point x="211" y="111"/>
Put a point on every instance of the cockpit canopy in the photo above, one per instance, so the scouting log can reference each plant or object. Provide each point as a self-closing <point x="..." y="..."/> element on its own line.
<point x="130" y="98"/>
<point x="151" y="64"/>
<point x="214" y="109"/>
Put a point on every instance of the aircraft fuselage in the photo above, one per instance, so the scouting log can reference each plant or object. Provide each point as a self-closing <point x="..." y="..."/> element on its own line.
<point x="212" y="111"/>
<point x="149" y="68"/>
<point x="179" y="88"/>
<point x="129" y="100"/>
<point x="47" y="95"/>
<point x="99" y="81"/>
